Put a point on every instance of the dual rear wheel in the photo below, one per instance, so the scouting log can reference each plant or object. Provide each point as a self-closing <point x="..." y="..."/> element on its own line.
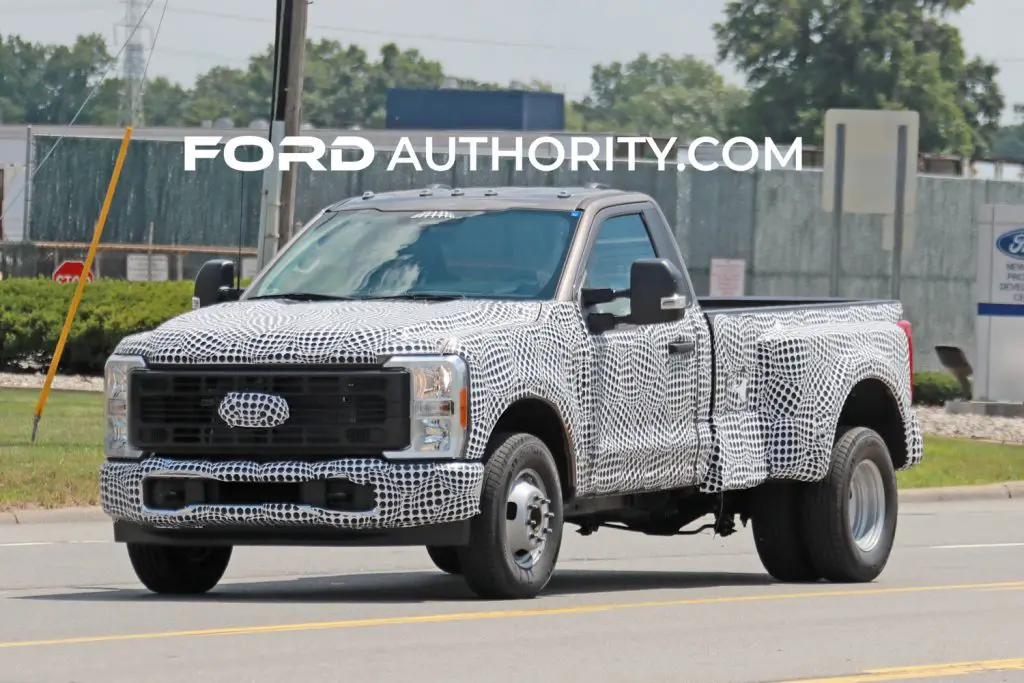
<point x="841" y="528"/>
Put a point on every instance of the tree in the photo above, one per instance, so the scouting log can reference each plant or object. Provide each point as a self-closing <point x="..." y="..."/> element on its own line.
<point x="1009" y="142"/>
<point x="685" y="97"/>
<point x="164" y="102"/>
<point x="342" y="87"/>
<point x="47" y="84"/>
<point x="803" y="57"/>
<point x="345" y="87"/>
<point x="225" y="92"/>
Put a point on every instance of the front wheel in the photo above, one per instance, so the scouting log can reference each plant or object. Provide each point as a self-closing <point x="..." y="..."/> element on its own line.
<point x="174" y="570"/>
<point x="850" y="515"/>
<point x="516" y="538"/>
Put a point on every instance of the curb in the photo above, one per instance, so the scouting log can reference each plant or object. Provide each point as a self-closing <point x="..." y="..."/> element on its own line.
<point x="54" y="516"/>
<point x="1004" y="491"/>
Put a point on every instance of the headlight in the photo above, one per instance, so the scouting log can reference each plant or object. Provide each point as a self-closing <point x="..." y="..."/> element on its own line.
<point x="439" y="405"/>
<point x="115" y="387"/>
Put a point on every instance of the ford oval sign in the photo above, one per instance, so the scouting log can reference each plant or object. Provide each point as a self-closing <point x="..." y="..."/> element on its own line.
<point x="253" y="410"/>
<point x="1012" y="243"/>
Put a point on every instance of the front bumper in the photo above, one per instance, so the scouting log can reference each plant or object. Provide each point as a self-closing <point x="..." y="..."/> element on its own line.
<point x="408" y="494"/>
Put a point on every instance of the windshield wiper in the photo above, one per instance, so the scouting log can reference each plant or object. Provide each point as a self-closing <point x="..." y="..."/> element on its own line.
<point x="311" y="296"/>
<point x="417" y="296"/>
<point x="302" y="296"/>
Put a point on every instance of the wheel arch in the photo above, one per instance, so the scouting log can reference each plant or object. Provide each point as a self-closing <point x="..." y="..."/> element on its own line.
<point x="872" y="403"/>
<point x="541" y="418"/>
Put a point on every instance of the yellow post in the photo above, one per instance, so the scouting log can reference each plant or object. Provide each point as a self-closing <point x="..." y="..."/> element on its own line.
<point x="80" y="289"/>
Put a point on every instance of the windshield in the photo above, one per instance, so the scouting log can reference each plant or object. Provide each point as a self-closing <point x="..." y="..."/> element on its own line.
<point x="366" y="254"/>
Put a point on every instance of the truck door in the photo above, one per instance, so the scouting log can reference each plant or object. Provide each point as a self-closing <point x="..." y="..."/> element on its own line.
<point x="645" y="377"/>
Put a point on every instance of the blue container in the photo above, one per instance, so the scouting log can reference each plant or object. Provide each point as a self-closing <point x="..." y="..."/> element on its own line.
<point x="422" y="109"/>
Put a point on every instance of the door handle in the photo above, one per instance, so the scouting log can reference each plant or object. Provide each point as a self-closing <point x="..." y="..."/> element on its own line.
<point x="684" y="348"/>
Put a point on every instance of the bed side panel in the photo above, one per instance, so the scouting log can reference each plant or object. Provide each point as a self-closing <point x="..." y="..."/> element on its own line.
<point x="781" y="378"/>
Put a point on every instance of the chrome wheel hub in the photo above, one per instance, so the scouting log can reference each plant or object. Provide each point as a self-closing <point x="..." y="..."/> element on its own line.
<point x="528" y="518"/>
<point x="867" y="505"/>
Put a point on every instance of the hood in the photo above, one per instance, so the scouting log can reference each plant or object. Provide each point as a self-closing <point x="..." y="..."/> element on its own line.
<point x="278" y="331"/>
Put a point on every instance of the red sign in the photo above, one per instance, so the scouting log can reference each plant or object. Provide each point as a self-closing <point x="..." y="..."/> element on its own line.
<point x="70" y="271"/>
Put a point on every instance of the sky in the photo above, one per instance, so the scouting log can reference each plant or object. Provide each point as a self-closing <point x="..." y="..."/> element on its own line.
<point x="552" y="40"/>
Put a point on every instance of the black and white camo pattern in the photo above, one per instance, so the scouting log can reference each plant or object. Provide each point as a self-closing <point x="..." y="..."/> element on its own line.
<point x="408" y="494"/>
<point x="253" y="410"/>
<point x="783" y="377"/>
<point x="637" y="419"/>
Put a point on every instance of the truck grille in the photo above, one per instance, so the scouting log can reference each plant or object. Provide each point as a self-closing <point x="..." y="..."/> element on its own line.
<point x="331" y="413"/>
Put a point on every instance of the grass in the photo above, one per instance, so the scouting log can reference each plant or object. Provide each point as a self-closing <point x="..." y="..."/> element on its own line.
<point x="964" y="462"/>
<point x="60" y="468"/>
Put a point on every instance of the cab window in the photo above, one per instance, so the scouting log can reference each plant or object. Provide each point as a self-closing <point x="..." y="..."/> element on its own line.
<point x="621" y="240"/>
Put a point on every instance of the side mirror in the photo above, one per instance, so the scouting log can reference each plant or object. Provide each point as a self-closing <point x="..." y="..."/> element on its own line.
<point x="654" y="297"/>
<point x="215" y="283"/>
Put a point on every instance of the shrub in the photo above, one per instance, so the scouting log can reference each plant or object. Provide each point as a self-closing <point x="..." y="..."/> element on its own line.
<point x="32" y="314"/>
<point x="935" y="388"/>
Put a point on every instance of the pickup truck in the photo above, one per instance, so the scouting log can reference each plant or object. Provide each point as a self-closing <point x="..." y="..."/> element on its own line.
<point x="469" y="370"/>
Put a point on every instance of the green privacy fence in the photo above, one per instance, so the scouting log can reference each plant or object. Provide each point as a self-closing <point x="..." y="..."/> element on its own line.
<point x="215" y="205"/>
<point x="211" y="206"/>
<point x="772" y="220"/>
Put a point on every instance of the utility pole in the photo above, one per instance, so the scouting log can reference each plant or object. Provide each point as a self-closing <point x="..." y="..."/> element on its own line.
<point x="292" y="95"/>
<point x="278" y="208"/>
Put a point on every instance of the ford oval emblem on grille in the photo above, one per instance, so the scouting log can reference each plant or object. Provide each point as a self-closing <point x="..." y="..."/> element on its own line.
<point x="253" y="410"/>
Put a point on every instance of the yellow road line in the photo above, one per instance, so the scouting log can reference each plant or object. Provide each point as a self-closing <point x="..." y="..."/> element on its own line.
<point x="916" y="673"/>
<point x="504" y="614"/>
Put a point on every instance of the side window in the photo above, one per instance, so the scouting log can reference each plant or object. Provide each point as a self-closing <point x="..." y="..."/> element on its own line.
<point x="620" y="241"/>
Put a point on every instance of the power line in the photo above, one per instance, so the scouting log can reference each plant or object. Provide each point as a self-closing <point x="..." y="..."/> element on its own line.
<point x="145" y="70"/>
<point x="433" y="37"/>
<point x="38" y="8"/>
<point x="221" y="58"/>
<point x="389" y="34"/>
<point x="386" y="33"/>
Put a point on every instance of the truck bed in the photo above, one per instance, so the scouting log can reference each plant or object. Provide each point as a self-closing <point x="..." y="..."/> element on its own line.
<point x="714" y="304"/>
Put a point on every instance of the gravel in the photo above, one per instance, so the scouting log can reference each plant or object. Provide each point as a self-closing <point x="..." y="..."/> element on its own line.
<point x="938" y="422"/>
<point x="934" y="421"/>
<point x="10" y="380"/>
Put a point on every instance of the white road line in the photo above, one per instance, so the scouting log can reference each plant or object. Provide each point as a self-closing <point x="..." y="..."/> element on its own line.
<point x="978" y="545"/>
<point x="47" y="543"/>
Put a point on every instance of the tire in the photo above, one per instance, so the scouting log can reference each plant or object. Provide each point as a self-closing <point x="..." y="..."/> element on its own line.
<point x="446" y="559"/>
<point x="861" y="477"/>
<point x="778" y="528"/>
<point x="174" y="570"/>
<point x="489" y="563"/>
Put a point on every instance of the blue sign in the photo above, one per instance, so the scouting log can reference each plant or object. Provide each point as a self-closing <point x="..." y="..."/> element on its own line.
<point x="1012" y="243"/>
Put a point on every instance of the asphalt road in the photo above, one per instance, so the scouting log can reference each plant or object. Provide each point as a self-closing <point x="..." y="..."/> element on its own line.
<point x="622" y="608"/>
